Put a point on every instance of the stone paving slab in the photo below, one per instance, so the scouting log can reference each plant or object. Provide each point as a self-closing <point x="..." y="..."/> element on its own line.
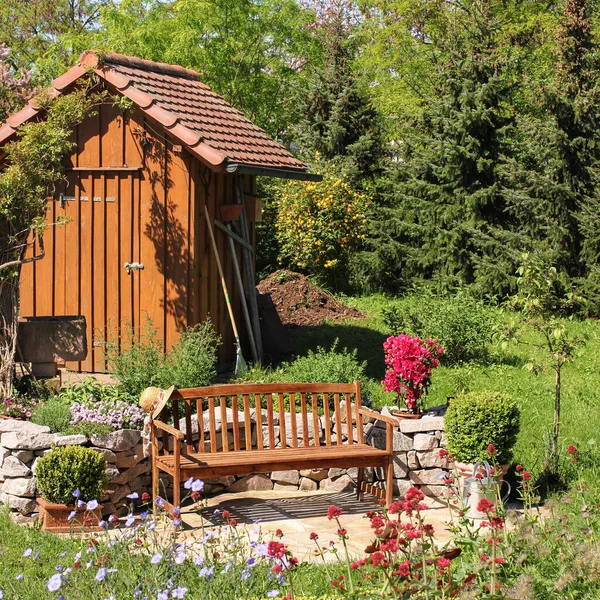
<point x="298" y="514"/>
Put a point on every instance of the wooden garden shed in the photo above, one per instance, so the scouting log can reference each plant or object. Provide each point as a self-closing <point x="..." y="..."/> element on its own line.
<point x="136" y="244"/>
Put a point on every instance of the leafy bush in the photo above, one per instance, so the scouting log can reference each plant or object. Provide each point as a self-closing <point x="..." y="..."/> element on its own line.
<point x="319" y="225"/>
<point x="69" y="468"/>
<point x="192" y="361"/>
<point x="87" y="428"/>
<point x="140" y="362"/>
<point x="136" y="361"/>
<point x="56" y="414"/>
<point x="477" y="419"/>
<point x="463" y="325"/>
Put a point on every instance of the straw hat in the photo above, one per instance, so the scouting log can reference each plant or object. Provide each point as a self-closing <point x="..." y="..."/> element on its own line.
<point x="153" y="399"/>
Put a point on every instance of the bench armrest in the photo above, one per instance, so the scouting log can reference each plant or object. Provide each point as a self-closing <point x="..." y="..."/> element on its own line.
<point x="365" y="412"/>
<point x="174" y="432"/>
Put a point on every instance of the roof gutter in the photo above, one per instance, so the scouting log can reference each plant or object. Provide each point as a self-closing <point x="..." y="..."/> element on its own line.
<point x="238" y="169"/>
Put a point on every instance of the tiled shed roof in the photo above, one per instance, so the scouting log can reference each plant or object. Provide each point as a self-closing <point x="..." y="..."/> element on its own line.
<point x="189" y="110"/>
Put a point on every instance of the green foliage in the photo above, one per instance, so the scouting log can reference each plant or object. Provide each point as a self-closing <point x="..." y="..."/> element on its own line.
<point x="191" y="362"/>
<point x="140" y="363"/>
<point x="55" y="413"/>
<point x="464" y="326"/>
<point x="89" y="389"/>
<point x="69" y="468"/>
<point x="136" y="360"/>
<point x="477" y="419"/>
<point x="87" y="428"/>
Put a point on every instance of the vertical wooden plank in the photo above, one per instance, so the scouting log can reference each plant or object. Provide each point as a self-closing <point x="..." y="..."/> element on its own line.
<point x="316" y="424"/>
<point x="304" y="413"/>
<point x="200" y="417"/>
<point x="86" y="289"/>
<point x="235" y="422"/>
<point x="126" y="241"/>
<point x="188" y="426"/>
<point x="213" y="425"/>
<point x="270" y="421"/>
<point x="44" y="269"/>
<point x="73" y="254"/>
<point x="26" y="284"/>
<point x="133" y="152"/>
<point x="349" y="419"/>
<point x="59" y="255"/>
<point x="177" y="244"/>
<point x="112" y="138"/>
<point x="193" y="282"/>
<point x="152" y="236"/>
<point x="294" y="426"/>
<point x="338" y="418"/>
<point x="326" y="419"/>
<point x="99" y="235"/>
<point x="248" y="422"/>
<point x="137" y="250"/>
<point x="112" y="203"/>
<point x="259" y="421"/>
<point x="175" y="413"/>
<point x="358" y="416"/>
<point x="283" y="433"/>
<point x="224" y="426"/>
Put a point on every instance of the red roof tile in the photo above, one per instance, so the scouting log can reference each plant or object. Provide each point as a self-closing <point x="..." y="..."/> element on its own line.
<point x="175" y="98"/>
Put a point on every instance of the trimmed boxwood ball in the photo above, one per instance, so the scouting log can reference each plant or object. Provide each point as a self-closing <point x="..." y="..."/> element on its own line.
<point x="69" y="468"/>
<point x="477" y="419"/>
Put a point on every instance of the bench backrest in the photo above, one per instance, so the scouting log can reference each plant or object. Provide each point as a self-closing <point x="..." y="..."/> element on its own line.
<point x="305" y="414"/>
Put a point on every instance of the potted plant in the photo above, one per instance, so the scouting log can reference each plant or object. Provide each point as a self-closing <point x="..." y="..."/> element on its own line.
<point x="70" y="479"/>
<point x="480" y="426"/>
<point x="409" y="363"/>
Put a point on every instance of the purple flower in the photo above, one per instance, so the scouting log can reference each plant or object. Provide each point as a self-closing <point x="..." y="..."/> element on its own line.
<point x="198" y="485"/>
<point x="28" y="552"/>
<point x="76" y="494"/>
<point x="71" y="515"/>
<point x="133" y="496"/>
<point x="272" y="594"/>
<point x="160" y="502"/>
<point x="156" y="558"/>
<point x="179" y="592"/>
<point x="188" y="484"/>
<point x="54" y="582"/>
<point x="19" y="577"/>
<point x="101" y="574"/>
<point x="92" y="505"/>
<point x="162" y="596"/>
<point x="130" y="520"/>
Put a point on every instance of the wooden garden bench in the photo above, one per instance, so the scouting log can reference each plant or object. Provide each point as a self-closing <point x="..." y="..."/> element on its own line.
<point x="261" y="436"/>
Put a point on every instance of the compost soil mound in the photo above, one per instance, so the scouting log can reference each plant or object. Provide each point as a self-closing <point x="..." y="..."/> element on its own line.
<point x="300" y="302"/>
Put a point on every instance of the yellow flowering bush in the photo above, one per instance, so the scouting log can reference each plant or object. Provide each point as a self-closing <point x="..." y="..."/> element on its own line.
<point x="319" y="224"/>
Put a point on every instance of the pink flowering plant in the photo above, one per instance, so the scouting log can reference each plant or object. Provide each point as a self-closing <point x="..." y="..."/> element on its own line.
<point x="409" y="363"/>
<point x="18" y="408"/>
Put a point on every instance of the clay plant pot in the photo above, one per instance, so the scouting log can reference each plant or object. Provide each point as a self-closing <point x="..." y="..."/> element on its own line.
<point x="55" y="518"/>
<point x="405" y="414"/>
<point x="230" y="212"/>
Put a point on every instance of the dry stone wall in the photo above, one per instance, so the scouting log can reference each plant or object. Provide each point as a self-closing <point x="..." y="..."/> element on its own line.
<point x="416" y="448"/>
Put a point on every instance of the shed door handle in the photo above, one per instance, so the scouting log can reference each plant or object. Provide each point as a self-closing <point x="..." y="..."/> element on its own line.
<point x="133" y="266"/>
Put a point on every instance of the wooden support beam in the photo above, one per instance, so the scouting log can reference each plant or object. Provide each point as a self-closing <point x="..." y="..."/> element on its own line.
<point x="233" y="235"/>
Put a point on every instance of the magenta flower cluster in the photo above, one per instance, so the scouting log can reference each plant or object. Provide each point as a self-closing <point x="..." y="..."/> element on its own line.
<point x="117" y="414"/>
<point x="409" y="362"/>
<point x="18" y="408"/>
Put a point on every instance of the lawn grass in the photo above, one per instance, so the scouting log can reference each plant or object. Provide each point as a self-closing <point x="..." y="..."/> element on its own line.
<point x="504" y="371"/>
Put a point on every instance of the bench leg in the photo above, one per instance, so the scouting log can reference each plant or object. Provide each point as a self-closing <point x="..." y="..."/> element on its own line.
<point x="389" y="486"/>
<point x="359" y="478"/>
<point x="177" y="489"/>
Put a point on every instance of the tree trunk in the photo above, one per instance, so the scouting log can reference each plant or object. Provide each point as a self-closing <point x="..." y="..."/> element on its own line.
<point x="9" y="314"/>
<point x="556" y="429"/>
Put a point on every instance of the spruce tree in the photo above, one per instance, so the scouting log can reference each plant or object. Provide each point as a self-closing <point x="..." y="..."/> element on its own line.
<point x="446" y="191"/>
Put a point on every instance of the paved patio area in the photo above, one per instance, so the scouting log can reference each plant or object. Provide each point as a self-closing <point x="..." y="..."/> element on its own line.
<point x="298" y="514"/>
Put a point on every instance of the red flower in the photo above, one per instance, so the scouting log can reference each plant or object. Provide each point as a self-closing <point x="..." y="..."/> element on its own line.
<point x="518" y="468"/>
<point x="233" y="522"/>
<point x="485" y="506"/>
<point x="377" y="558"/>
<point x="279" y="533"/>
<point x="145" y="497"/>
<point x="491" y="449"/>
<point x="499" y="560"/>
<point x="443" y="563"/>
<point x="277" y="569"/>
<point x="342" y="532"/>
<point x="526" y="476"/>
<point x="314" y="536"/>
<point x="226" y="514"/>
<point x="334" y="512"/>
<point x="572" y="449"/>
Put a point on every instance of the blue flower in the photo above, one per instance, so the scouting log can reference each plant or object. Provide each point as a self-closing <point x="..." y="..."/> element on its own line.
<point x="179" y="592"/>
<point x="245" y="574"/>
<point x="198" y="485"/>
<point x="19" y="577"/>
<point x="28" y="552"/>
<point x="71" y="515"/>
<point x="101" y="574"/>
<point x="102" y="524"/>
<point x="177" y="511"/>
<point x="80" y="503"/>
<point x="76" y="494"/>
<point x="156" y="558"/>
<point x="198" y="560"/>
<point x="1" y="594"/>
<point x="54" y="582"/>
<point x="162" y="596"/>
<point x="272" y="594"/>
<point x="160" y="502"/>
<point x="92" y="505"/>
<point x="130" y="520"/>
<point x="176" y="522"/>
<point x="188" y="484"/>
<point x="133" y="496"/>
<point x="207" y="572"/>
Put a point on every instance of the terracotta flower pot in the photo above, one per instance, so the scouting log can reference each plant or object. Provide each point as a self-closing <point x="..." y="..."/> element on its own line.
<point x="405" y="414"/>
<point x="55" y="518"/>
<point x="230" y="212"/>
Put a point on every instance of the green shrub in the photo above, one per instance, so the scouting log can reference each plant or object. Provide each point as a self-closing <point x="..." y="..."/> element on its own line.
<point x="55" y="413"/>
<point x="135" y="360"/>
<point x="463" y="325"/>
<point x="477" y="419"/>
<point x="88" y="390"/>
<point x="192" y="361"/>
<point x="69" y="468"/>
<point x="87" y="428"/>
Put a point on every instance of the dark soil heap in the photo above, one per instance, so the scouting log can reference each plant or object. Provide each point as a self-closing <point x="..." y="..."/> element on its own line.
<point x="300" y="302"/>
